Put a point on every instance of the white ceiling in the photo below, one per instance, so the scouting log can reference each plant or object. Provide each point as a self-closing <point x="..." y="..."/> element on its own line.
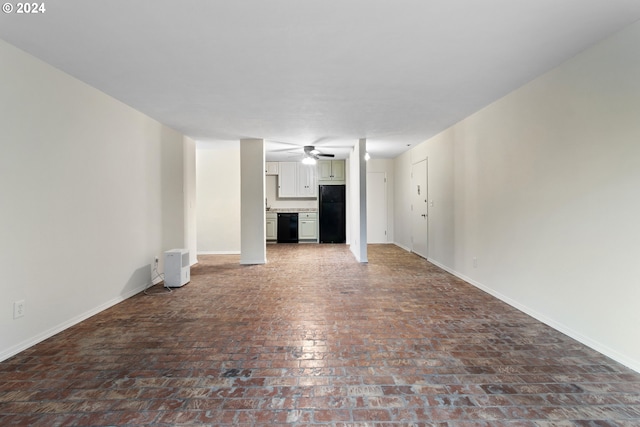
<point x="323" y="72"/>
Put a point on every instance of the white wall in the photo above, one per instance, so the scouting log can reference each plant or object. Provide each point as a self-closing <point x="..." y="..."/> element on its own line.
<point x="402" y="201"/>
<point x="218" y="195"/>
<point x="542" y="187"/>
<point x="91" y="191"/>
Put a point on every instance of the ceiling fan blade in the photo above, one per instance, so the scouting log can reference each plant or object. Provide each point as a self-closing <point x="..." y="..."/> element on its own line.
<point x="283" y="150"/>
<point x="325" y="155"/>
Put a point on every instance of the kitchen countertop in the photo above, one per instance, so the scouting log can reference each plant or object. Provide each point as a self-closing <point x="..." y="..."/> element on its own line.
<point x="287" y="210"/>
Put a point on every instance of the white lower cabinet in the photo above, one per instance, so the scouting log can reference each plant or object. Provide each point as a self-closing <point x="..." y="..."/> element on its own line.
<point x="308" y="226"/>
<point x="272" y="226"/>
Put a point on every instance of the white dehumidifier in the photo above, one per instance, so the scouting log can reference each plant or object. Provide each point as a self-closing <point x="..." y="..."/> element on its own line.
<point x="177" y="271"/>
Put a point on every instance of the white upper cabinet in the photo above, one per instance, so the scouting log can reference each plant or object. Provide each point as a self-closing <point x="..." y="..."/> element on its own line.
<point x="331" y="172"/>
<point x="297" y="180"/>
<point x="288" y="179"/>
<point x="324" y="170"/>
<point x="307" y="181"/>
<point x="271" y="168"/>
<point x="337" y="170"/>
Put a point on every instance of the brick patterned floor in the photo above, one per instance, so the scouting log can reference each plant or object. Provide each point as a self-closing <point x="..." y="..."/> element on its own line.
<point x="314" y="338"/>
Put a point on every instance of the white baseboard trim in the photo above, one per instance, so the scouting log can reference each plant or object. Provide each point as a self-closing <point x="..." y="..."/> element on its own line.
<point x="252" y="261"/>
<point x="219" y="253"/>
<point x="12" y="351"/>
<point x="403" y="247"/>
<point x="595" y="345"/>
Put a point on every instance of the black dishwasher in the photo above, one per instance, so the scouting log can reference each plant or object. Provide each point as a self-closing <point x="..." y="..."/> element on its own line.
<point x="288" y="227"/>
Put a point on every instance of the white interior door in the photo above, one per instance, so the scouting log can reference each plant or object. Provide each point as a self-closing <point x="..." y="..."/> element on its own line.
<point x="419" y="213"/>
<point x="376" y="207"/>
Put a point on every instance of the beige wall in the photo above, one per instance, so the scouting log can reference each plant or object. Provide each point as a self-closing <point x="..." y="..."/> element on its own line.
<point x="218" y="195"/>
<point x="541" y="187"/>
<point x="92" y="191"/>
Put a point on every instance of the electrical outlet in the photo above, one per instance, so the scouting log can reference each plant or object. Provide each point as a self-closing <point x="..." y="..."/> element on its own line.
<point x="156" y="261"/>
<point x="475" y="262"/>
<point x="18" y="309"/>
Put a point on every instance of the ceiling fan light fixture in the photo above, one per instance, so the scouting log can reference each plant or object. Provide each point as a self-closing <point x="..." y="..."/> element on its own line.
<point x="308" y="160"/>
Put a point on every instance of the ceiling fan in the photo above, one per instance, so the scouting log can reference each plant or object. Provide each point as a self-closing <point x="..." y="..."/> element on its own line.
<point x="310" y="151"/>
<point x="311" y="155"/>
<point x="306" y="153"/>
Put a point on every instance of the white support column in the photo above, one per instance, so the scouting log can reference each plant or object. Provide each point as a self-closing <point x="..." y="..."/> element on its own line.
<point x="189" y="188"/>
<point x="358" y="201"/>
<point x="253" y="246"/>
<point x="362" y="150"/>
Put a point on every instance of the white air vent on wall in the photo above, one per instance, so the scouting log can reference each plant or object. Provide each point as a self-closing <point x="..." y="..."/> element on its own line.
<point x="177" y="271"/>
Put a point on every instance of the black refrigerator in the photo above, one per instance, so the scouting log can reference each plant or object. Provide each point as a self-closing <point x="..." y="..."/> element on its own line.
<point x="332" y="214"/>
